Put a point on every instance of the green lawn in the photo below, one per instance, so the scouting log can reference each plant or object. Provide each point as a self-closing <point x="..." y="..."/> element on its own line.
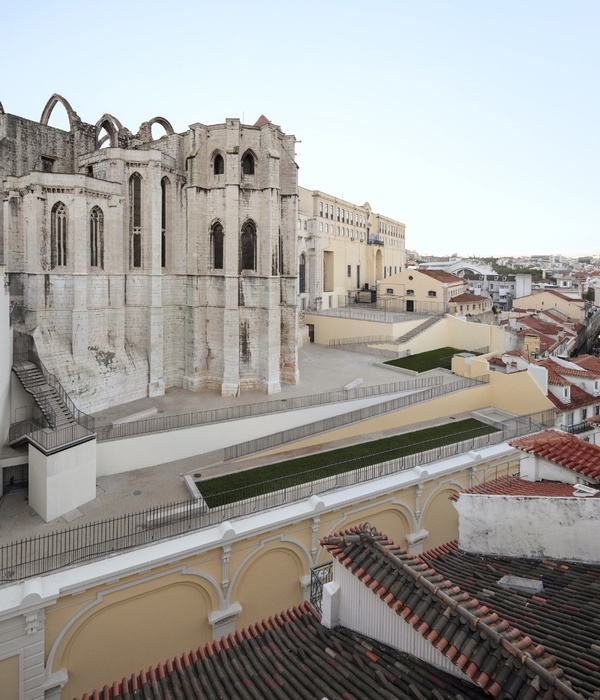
<point x="245" y="484"/>
<point x="442" y="357"/>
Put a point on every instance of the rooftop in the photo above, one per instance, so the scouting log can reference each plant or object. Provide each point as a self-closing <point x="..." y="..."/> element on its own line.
<point x="289" y="656"/>
<point x="563" y="449"/>
<point x="512" y="643"/>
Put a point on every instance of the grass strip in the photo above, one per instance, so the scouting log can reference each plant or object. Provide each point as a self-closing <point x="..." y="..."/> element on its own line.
<point x="272" y="477"/>
<point x="423" y="361"/>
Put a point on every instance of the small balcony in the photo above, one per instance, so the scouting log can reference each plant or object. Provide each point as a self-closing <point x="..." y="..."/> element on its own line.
<point x="319" y="576"/>
<point x="375" y="241"/>
<point x="577" y="428"/>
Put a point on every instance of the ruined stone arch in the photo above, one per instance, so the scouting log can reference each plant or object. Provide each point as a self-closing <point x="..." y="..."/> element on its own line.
<point x="112" y="126"/>
<point x="74" y="119"/>
<point x="166" y="125"/>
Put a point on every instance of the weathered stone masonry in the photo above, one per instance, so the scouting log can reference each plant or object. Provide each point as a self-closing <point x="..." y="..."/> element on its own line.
<point x="141" y="264"/>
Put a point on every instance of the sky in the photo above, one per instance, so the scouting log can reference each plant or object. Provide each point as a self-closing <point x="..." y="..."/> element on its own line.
<point x="474" y="122"/>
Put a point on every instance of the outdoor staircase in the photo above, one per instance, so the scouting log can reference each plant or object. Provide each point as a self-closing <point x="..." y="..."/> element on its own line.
<point x="431" y="321"/>
<point x="49" y="401"/>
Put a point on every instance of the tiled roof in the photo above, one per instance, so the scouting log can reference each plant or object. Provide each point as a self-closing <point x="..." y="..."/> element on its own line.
<point x="588" y="362"/>
<point x="467" y="296"/>
<point x="497" y="361"/>
<point x="442" y="276"/>
<point x="570" y="371"/>
<point x="262" y="120"/>
<point x="515" y="486"/>
<point x="291" y="656"/>
<point x="562" y="619"/>
<point x="555" y="379"/>
<point x="564" y="296"/>
<point x="454" y="601"/>
<point x="541" y="326"/>
<point x="579" y="399"/>
<point x="563" y="449"/>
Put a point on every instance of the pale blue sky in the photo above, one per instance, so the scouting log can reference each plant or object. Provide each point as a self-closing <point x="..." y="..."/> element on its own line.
<point x="475" y="122"/>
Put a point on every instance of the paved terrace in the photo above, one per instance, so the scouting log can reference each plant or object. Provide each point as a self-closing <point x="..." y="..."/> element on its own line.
<point x="322" y="369"/>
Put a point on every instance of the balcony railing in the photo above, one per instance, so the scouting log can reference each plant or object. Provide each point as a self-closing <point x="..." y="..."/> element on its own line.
<point x="577" y="428"/>
<point x="375" y="241"/>
<point x="319" y="576"/>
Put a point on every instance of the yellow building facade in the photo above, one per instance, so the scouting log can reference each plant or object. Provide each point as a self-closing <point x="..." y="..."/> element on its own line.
<point x="343" y="249"/>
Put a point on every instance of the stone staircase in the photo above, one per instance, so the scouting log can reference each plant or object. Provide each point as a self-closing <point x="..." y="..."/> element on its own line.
<point x="49" y="401"/>
<point x="431" y="321"/>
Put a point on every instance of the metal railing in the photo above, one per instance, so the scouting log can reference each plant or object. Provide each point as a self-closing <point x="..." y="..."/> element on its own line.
<point x="38" y="555"/>
<point x="319" y="576"/>
<point x="321" y="426"/>
<point x="189" y="420"/>
<point x="577" y="428"/>
<point x="24" y="351"/>
<point x="49" y="440"/>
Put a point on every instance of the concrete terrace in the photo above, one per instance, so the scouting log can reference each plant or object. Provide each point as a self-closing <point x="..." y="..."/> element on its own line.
<point x="322" y="369"/>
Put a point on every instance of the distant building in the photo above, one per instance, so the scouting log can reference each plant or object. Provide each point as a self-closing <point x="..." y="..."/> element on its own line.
<point x="343" y="248"/>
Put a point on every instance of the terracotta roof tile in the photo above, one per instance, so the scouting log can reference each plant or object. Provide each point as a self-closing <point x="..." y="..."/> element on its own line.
<point x="563" y="449"/>
<point x="579" y="399"/>
<point x="262" y="120"/>
<point x="441" y="276"/>
<point x="467" y="296"/>
<point x="513" y="645"/>
<point x="486" y="646"/>
<point x="515" y="486"/>
<point x="291" y="656"/>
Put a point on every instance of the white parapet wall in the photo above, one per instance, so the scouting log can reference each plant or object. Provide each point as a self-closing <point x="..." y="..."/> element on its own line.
<point x="524" y="526"/>
<point x="63" y="481"/>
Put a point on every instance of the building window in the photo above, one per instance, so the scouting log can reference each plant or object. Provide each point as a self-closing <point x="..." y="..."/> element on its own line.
<point x="338" y="213"/>
<point x="216" y="245"/>
<point x="349" y="270"/>
<point x="431" y="293"/>
<point x="389" y="290"/>
<point x="248" y="164"/>
<point x="320" y="226"/>
<point x="410" y="292"/>
<point x="135" y="220"/>
<point x="218" y="165"/>
<point x="58" y="235"/>
<point x="97" y="238"/>
<point x="164" y="193"/>
<point x="583" y="414"/>
<point x="248" y="247"/>
<point x="47" y="164"/>
<point x="302" y="274"/>
<point x="326" y="210"/>
<point x="320" y="208"/>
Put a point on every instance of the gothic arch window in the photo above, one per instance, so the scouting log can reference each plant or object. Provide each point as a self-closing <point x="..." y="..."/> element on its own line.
<point x="135" y="220"/>
<point x="302" y="274"/>
<point x="97" y="238"/>
<point x="58" y="235"/>
<point x="248" y="164"/>
<point x="165" y="188"/>
<point x="217" y="239"/>
<point x="248" y="247"/>
<point x="218" y="164"/>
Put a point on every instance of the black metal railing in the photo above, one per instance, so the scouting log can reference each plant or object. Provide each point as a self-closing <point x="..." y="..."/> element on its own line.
<point x="24" y="351"/>
<point x="38" y="555"/>
<point x="319" y="576"/>
<point x="308" y="429"/>
<point x="189" y="420"/>
<point x="577" y="428"/>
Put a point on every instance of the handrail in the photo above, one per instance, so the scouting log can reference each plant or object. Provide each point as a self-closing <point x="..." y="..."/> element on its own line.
<point x="188" y="420"/>
<point x="37" y="555"/>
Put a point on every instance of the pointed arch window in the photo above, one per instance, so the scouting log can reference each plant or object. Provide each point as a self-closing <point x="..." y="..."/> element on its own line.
<point x="135" y="220"/>
<point x="58" y="235"/>
<point x="164" y="205"/>
<point x="302" y="274"/>
<point x="217" y="239"/>
<point x="97" y="238"/>
<point x="219" y="165"/>
<point x="248" y="164"/>
<point x="248" y="247"/>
